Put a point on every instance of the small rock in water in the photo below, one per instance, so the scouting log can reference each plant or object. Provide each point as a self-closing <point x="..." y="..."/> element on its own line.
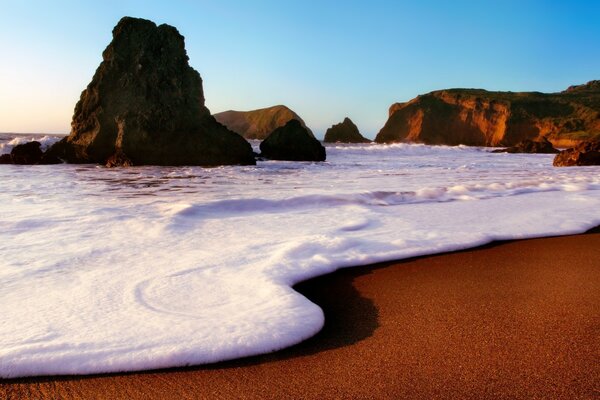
<point x="292" y="142"/>
<point x="344" y="132"/>
<point x="542" y="146"/>
<point x="27" y="153"/>
<point x="585" y="153"/>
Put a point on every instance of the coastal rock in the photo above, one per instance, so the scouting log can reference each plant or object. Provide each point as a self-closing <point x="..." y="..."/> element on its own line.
<point x="27" y="153"/>
<point x="50" y="158"/>
<point x="344" y="132"/>
<point x="145" y="104"/>
<point x="585" y="153"/>
<point x="292" y="142"/>
<point x="258" y="124"/>
<point x="119" y="159"/>
<point x="478" y="117"/>
<point x="543" y="146"/>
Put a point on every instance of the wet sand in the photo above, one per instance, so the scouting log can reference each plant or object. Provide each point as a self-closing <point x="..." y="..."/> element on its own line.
<point x="517" y="319"/>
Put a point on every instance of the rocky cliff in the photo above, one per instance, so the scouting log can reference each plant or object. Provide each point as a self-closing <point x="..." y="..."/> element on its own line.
<point x="145" y="105"/>
<point x="258" y="124"/>
<point x="481" y="118"/>
<point x="345" y="132"/>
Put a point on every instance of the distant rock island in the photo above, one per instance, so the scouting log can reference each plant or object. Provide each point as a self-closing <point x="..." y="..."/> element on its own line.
<point x="345" y="132"/>
<point x="258" y="124"/>
<point x="477" y="117"/>
<point x="292" y="142"/>
<point x="145" y="105"/>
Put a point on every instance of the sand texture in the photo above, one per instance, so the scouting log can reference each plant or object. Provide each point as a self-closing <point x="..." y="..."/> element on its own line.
<point x="518" y="319"/>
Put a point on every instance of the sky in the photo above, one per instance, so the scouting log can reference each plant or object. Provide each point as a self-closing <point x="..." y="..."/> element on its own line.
<point x="324" y="59"/>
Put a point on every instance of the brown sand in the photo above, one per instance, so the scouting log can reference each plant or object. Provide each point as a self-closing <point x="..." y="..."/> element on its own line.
<point x="509" y="320"/>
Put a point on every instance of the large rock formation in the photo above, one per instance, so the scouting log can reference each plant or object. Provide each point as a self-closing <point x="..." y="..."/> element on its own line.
<point x="344" y="132"/>
<point x="585" y="153"/>
<point x="481" y="118"/>
<point x="258" y="124"/>
<point x="292" y="142"/>
<point x="145" y="105"/>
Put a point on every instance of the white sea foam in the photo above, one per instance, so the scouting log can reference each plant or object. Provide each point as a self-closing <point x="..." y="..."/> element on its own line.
<point x="45" y="140"/>
<point x="106" y="270"/>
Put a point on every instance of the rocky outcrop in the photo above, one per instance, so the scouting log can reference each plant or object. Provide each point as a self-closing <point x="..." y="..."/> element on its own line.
<point x="481" y="118"/>
<point x="145" y="105"/>
<point x="28" y="154"/>
<point x="543" y="146"/>
<point x="292" y="142"/>
<point x="258" y="124"/>
<point x="344" y="132"/>
<point x="590" y="87"/>
<point x="585" y="153"/>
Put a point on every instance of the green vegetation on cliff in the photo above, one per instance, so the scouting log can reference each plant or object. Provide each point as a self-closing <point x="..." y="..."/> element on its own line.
<point x="479" y="117"/>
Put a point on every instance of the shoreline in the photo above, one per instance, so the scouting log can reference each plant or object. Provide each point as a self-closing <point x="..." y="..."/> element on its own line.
<point x="472" y="328"/>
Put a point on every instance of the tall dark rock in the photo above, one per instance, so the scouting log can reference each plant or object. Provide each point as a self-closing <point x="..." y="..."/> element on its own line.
<point x="145" y="105"/>
<point x="344" y="132"/>
<point x="292" y="142"/>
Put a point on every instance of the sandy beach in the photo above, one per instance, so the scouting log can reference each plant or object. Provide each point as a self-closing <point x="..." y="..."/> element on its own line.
<point x="515" y="319"/>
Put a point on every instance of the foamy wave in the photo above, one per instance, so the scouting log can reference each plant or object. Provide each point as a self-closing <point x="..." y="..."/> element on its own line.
<point x="411" y="148"/>
<point x="46" y="141"/>
<point x="238" y="207"/>
<point x="130" y="269"/>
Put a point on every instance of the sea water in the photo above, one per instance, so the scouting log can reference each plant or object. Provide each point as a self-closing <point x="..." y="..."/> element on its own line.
<point x="105" y="270"/>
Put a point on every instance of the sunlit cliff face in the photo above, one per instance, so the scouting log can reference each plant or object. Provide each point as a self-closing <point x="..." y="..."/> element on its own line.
<point x="482" y="118"/>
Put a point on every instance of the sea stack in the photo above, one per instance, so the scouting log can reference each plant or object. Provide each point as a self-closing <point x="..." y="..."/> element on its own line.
<point x="145" y="106"/>
<point x="344" y="132"/>
<point x="478" y="117"/>
<point x="258" y="124"/>
<point x="292" y="142"/>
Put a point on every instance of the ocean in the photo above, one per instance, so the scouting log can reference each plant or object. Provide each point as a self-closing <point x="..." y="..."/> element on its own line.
<point x="106" y="270"/>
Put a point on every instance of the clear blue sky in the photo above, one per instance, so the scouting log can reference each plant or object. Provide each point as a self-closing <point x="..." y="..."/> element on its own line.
<point x="325" y="60"/>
